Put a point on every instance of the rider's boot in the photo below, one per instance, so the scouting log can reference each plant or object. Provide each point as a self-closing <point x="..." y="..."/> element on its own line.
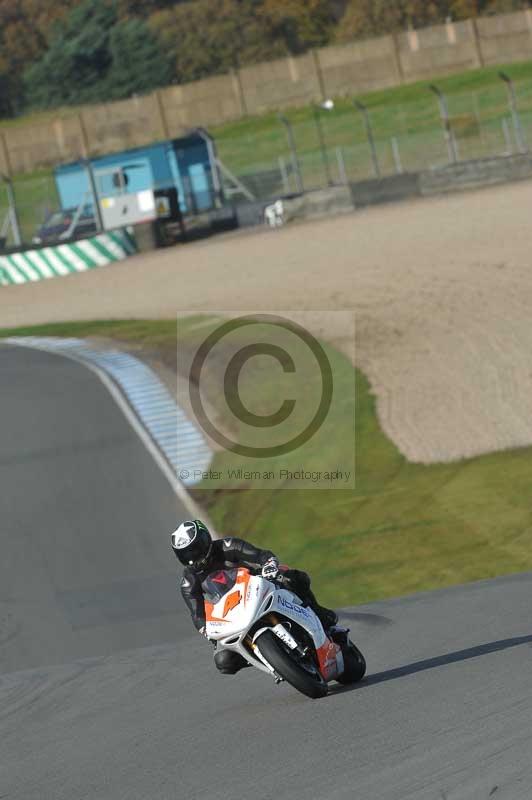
<point x="228" y="662"/>
<point x="339" y="635"/>
<point x="326" y="616"/>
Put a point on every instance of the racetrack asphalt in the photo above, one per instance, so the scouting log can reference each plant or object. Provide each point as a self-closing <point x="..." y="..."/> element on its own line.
<point x="86" y="567"/>
<point x="109" y="694"/>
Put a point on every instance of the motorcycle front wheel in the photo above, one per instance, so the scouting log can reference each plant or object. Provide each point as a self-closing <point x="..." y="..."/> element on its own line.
<point x="304" y="677"/>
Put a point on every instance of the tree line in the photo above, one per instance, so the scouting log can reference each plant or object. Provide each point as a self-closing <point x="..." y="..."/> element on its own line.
<point x="61" y="52"/>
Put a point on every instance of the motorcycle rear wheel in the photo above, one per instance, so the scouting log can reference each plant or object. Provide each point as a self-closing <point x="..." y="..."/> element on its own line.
<point x="354" y="665"/>
<point x="309" y="683"/>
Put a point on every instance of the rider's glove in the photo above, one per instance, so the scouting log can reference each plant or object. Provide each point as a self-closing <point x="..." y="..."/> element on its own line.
<point x="270" y="570"/>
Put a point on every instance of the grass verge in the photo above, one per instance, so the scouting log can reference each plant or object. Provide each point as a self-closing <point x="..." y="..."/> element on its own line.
<point x="405" y="528"/>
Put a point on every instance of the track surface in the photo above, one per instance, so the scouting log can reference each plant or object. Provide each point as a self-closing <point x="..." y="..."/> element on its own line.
<point x="444" y="714"/>
<point x="85" y="515"/>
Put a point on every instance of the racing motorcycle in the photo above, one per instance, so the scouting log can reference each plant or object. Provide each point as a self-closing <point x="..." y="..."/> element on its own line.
<point x="271" y="628"/>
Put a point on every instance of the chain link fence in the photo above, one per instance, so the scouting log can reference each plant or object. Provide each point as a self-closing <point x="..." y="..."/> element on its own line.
<point x="340" y="143"/>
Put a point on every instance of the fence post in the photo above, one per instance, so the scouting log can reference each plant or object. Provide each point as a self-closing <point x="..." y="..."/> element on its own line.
<point x="397" y="57"/>
<point x="522" y="146"/>
<point x="369" y="132"/>
<point x="476" y="42"/>
<point x="5" y="153"/>
<point x="239" y="90"/>
<point x="342" y="173"/>
<point x="397" y="156"/>
<point x="507" y="137"/>
<point x="95" y="196"/>
<point x="448" y="131"/>
<point x="319" y="74"/>
<point x="284" y="174"/>
<point x="85" y="150"/>
<point x="162" y="114"/>
<point x="213" y="163"/>
<point x="13" y="212"/>
<point x="296" y="167"/>
<point x="321" y="142"/>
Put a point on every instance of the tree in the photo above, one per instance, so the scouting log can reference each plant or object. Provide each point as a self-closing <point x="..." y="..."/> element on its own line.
<point x="138" y="63"/>
<point x="77" y="60"/>
<point x="364" y="18"/>
<point x="300" y="24"/>
<point x="93" y="56"/>
<point x="209" y="37"/>
<point x="464" y="9"/>
<point x="143" y="8"/>
<point x="24" y="29"/>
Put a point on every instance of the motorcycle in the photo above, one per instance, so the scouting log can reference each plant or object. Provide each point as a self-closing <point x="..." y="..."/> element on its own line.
<point x="271" y="628"/>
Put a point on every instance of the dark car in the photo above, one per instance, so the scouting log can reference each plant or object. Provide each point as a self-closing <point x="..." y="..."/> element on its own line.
<point x="66" y="224"/>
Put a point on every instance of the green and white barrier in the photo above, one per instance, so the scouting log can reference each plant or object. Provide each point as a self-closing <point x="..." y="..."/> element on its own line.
<point x="63" y="259"/>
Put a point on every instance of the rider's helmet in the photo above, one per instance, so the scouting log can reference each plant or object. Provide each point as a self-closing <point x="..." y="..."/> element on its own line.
<point x="192" y="544"/>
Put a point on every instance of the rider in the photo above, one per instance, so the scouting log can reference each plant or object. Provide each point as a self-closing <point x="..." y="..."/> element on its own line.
<point x="200" y="555"/>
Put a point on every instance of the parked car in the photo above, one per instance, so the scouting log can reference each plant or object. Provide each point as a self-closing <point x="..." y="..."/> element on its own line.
<point x="66" y="224"/>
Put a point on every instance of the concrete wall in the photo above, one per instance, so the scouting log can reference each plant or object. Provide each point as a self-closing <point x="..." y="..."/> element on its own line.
<point x="474" y="174"/>
<point x="124" y="124"/>
<point x="360" y="67"/>
<point x="453" y="178"/>
<point x="29" y="147"/>
<point x="202" y="103"/>
<point x="439" y="50"/>
<point x="394" y="188"/>
<point x="289" y="82"/>
<point x="505" y="38"/>
<point x="277" y="84"/>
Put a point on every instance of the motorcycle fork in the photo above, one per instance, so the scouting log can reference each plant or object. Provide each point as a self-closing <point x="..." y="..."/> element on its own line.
<point x="273" y="619"/>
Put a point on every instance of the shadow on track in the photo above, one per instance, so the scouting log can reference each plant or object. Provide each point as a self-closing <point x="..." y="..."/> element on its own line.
<point x="437" y="661"/>
<point x="373" y="620"/>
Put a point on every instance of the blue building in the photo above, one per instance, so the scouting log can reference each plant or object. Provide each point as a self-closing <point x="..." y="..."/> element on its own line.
<point x="186" y="166"/>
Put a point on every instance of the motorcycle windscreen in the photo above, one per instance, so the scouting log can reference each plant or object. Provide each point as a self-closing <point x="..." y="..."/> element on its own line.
<point x="217" y="584"/>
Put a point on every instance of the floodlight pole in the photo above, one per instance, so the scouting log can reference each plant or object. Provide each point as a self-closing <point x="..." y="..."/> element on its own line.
<point x="323" y="149"/>
<point x="369" y="132"/>
<point x="12" y="210"/>
<point x="516" y="119"/>
<point x="444" y="114"/>
<point x="293" y="150"/>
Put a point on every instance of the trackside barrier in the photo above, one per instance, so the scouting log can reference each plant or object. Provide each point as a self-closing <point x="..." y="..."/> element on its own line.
<point x="64" y="259"/>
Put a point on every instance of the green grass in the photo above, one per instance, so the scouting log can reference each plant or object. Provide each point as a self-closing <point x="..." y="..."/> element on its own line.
<point x="405" y="527"/>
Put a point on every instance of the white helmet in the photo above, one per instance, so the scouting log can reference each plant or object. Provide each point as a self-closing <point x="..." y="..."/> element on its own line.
<point x="192" y="544"/>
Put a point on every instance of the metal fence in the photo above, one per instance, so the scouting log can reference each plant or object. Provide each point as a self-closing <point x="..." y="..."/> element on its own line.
<point x="344" y="141"/>
<point x="336" y="142"/>
<point x="25" y="203"/>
